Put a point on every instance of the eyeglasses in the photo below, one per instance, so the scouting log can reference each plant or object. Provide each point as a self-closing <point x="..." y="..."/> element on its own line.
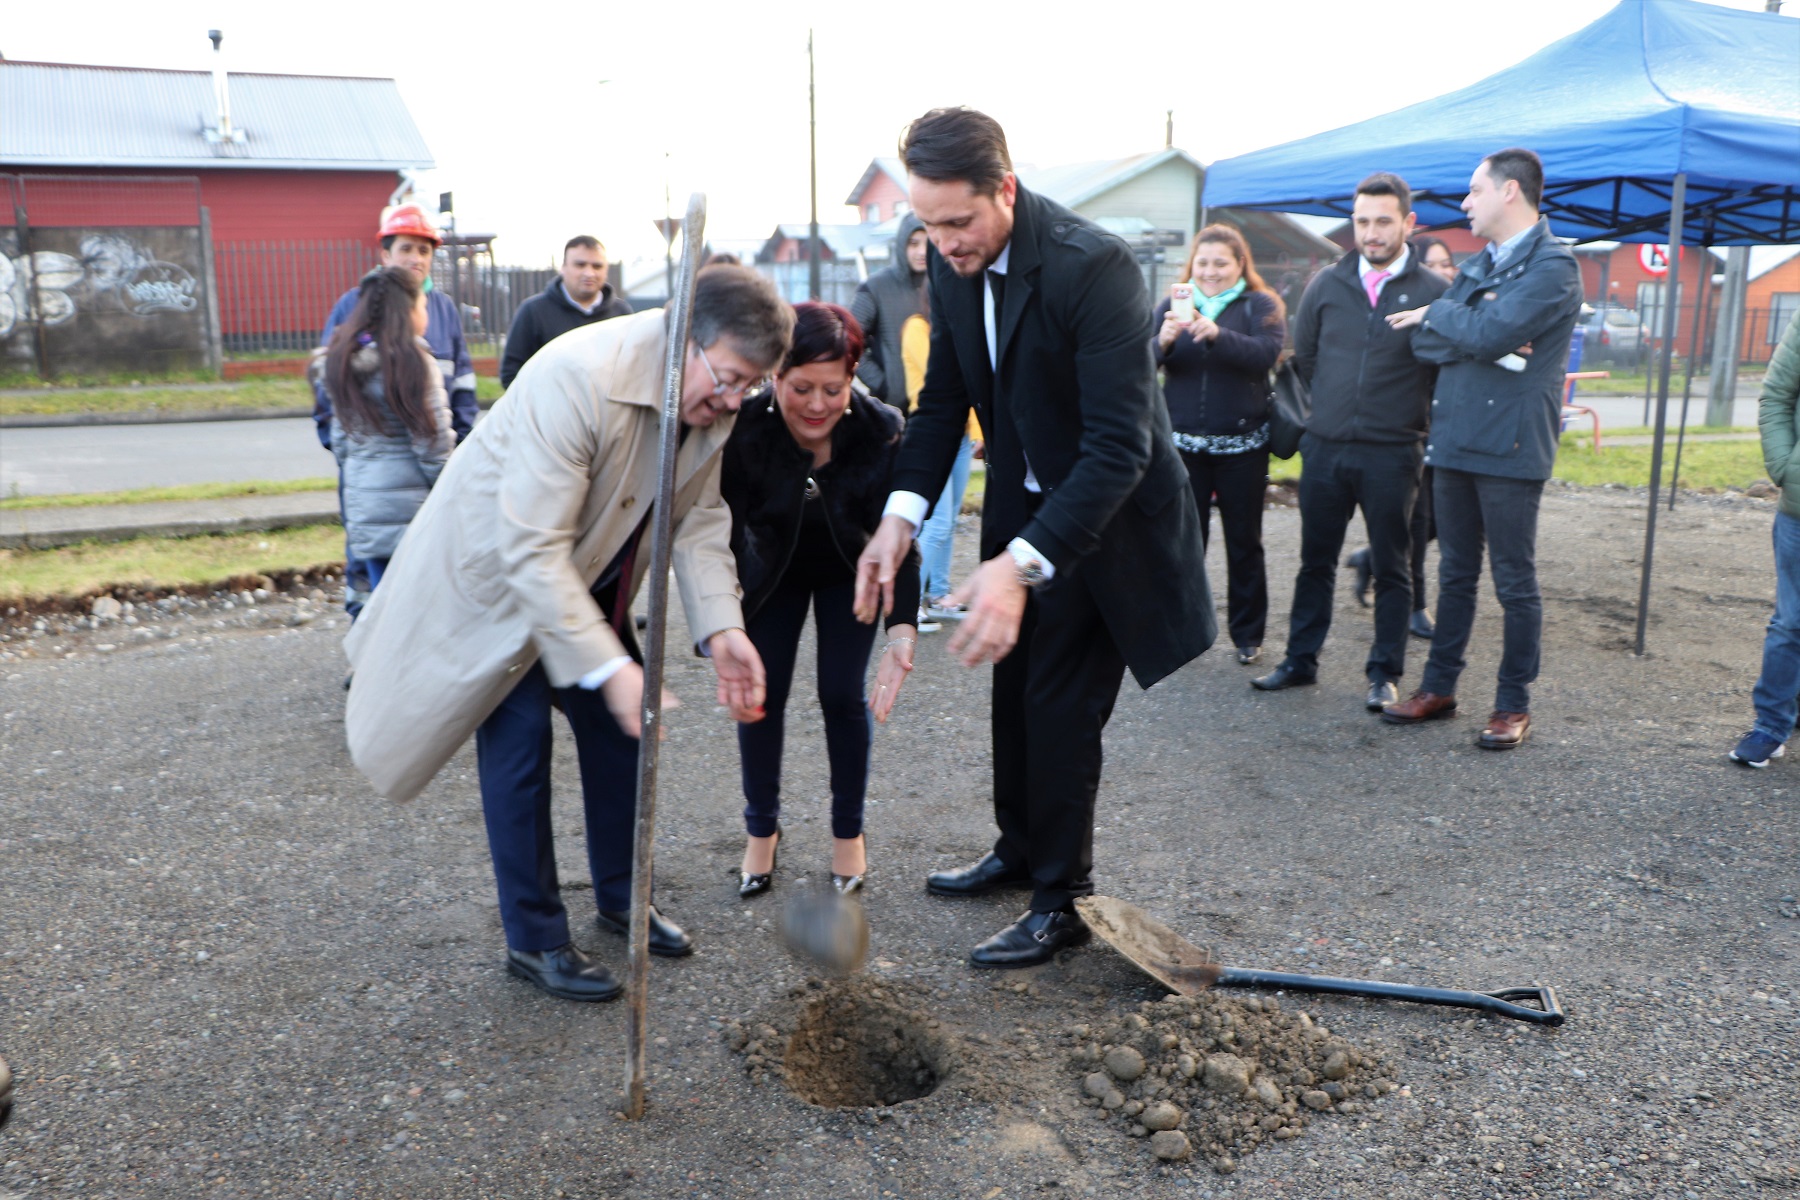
<point x="726" y="389"/>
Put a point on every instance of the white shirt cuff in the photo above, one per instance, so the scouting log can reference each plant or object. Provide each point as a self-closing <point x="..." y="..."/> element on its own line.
<point x="596" y="678"/>
<point x="909" y="506"/>
<point x="1026" y="549"/>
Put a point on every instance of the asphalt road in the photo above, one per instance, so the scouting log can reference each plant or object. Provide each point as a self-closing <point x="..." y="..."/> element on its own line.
<point x="226" y="969"/>
<point x="111" y="458"/>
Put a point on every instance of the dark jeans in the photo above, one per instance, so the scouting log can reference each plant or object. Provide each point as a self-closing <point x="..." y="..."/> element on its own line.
<point x="1053" y="694"/>
<point x="1238" y="485"/>
<point x="1424" y="529"/>
<point x="512" y="750"/>
<point x="1502" y="513"/>
<point x="1336" y="479"/>
<point x="844" y="645"/>
<point x="357" y="584"/>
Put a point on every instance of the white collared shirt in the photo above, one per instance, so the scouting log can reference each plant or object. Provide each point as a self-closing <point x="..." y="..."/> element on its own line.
<point x="910" y="505"/>
<point x="1397" y="267"/>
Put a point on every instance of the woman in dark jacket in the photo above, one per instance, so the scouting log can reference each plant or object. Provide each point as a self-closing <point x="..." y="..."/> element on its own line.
<point x="1216" y="379"/>
<point x="806" y="477"/>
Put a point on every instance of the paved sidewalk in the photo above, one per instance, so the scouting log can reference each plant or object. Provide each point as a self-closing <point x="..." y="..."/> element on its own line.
<point x="40" y="527"/>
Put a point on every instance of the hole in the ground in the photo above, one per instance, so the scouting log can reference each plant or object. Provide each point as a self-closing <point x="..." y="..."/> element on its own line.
<point x="853" y="1050"/>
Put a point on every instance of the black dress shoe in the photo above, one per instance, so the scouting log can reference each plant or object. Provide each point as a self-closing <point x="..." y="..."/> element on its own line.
<point x="1365" y="574"/>
<point x="977" y="880"/>
<point x="1287" y="675"/>
<point x="1031" y="940"/>
<point x="1420" y="626"/>
<point x="564" y="971"/>
<point x="1381" y="694"/>
<point x="755" y="885"/>
<point x="666" y="937"/>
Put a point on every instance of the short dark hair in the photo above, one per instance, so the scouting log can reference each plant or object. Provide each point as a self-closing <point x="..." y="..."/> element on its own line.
<point x="585" y="242"/>
<point x="1522" y="167"/>
<point x="957" y="143"/>
<point x="1386" y="183"/>
<point x="824" y="333"/>
<point x="737" y="303"/>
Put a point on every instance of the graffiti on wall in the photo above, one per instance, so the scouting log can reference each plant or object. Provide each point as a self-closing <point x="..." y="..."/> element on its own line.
<point x="110" y="273"/>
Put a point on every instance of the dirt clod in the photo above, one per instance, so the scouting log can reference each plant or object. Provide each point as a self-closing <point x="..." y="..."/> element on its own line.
<point x="1214" y="1077"/>
<point x="1170" y="1145"/>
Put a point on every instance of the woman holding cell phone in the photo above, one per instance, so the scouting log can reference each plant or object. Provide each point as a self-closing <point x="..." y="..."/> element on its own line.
<point x="1216" y="338"/>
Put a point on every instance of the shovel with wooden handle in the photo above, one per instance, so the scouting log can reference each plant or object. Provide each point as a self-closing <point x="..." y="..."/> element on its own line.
<point x="661" y="532"/>
<point x="1184" y="968"/>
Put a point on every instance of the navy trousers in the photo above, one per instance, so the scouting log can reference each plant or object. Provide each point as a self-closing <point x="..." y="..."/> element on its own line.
<point x="513" y="752"/>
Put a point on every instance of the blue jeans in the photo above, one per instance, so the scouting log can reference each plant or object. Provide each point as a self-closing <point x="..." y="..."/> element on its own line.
<point x="940" y="528"/>
<point x="356" y="571"/>
<point x="1779" y="684"/>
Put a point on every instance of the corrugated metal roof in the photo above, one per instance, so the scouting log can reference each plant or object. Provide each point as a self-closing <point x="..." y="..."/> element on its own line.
<point x="69" y="115"/>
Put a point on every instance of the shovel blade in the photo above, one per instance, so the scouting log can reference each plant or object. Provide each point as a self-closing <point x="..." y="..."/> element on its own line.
<point x="1149" y="945"/>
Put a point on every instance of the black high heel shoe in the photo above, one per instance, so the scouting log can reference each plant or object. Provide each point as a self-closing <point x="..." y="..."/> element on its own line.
<point x="848" y="885"/>
<point x="755" y="885"/>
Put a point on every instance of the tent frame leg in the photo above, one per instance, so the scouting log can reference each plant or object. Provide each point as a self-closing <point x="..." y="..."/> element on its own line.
<point x="1677" y="215"/>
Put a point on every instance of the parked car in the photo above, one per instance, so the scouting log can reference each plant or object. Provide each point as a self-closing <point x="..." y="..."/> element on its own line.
<point x="1616" y="335"/>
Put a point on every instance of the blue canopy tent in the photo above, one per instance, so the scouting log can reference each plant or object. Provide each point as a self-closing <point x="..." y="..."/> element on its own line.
<point x="1663" y="121"/>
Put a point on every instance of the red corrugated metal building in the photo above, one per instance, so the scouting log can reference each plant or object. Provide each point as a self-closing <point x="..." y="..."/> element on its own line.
<point x="292" y="170"/>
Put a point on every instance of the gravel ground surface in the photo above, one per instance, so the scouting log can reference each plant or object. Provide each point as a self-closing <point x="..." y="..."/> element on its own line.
<point x="227" y="970"/>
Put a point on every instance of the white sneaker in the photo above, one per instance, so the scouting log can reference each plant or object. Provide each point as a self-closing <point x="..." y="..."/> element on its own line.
<point x="945" y="609"/>
<point x="925" y="624"/>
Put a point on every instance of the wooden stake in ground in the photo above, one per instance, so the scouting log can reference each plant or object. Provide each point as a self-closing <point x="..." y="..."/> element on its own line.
<point x="637" y="977"/>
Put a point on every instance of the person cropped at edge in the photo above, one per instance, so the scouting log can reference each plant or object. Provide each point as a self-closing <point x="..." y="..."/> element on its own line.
<point x="1434" y="255"/>
<point x="408" y="241"/>
<point x="390" y="421"/>
<point x="806" y="476"/>
<point x="1500" y="337"/>
<point x="579" y="295"/>
<point x="1091" y="553"/>
<point x="511" y="594"/>
<point x="1365" y="438"/>
<point x="1778" y="416"/>
<point x="1216" y="379"/>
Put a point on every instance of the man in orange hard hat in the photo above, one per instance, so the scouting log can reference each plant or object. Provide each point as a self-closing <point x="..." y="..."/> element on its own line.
<point x="409" y="241"/>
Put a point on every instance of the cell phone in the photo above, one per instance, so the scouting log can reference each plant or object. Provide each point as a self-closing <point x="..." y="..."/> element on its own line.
<point x="1511" y="362"/>
<point x="1181" y="301"/>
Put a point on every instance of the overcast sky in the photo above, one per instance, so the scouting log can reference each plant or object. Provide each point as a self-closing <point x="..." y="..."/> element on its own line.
<point x="712" y="96"/>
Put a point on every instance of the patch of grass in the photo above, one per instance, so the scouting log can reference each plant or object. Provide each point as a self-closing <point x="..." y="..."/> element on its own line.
<point x="162" y="563"/>
<point x="1578" y="434"/>
<point x="21" y="379"/>
<point x="250" y="394"/>
<point x="1704" y="465"/>
<point x="190" y="491"/>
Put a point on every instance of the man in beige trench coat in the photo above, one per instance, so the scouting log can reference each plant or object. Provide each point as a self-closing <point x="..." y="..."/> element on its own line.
<point x="513" y="586"/>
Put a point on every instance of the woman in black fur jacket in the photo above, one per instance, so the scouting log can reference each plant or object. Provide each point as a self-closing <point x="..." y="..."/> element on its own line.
<point x="806" y="476"/>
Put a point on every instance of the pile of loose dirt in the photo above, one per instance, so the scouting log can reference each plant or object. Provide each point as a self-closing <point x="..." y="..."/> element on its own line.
<point x="850" y="1043"/>
<point x="1215" y="1077"/>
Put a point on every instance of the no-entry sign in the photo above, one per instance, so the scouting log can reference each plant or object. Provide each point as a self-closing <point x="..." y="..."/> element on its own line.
<point x="1654" y="259"/>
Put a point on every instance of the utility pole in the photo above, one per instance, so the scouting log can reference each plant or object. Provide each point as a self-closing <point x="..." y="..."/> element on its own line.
<point x="1721" y="387"/>
<point x="812" y="154"/>
<point x="1168" y="129"/>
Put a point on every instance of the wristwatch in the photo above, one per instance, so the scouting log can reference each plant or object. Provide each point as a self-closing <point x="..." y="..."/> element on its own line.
<point x="1030" y="568"/>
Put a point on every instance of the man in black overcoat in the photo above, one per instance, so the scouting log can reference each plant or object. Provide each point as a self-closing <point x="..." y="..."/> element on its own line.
<point x="1091" y="554"/>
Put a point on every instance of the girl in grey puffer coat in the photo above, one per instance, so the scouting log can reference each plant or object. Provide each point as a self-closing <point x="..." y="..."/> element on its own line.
<point x="390" y="424"/>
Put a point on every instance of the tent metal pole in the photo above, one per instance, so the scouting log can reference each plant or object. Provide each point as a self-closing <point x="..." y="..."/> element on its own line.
<point x="1674" y="298"/>
<point x="1677" y="215"/>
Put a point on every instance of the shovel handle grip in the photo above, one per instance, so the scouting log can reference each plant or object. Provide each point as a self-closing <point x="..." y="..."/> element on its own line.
<point x="1549" y="1011"/>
